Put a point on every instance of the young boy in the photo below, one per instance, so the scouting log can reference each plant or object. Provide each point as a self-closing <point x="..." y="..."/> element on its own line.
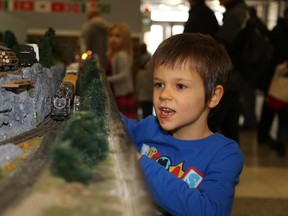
<point x="189" y="169"/>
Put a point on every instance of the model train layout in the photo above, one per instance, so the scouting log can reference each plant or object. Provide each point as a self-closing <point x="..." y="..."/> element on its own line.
<point x="113" y="176"/>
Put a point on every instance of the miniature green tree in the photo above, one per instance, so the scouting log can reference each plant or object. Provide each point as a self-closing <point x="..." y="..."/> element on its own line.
<point x="49" y="49"/>
<point x="68" y="163"/>
<point x="82" y="145"/>
<point x="88" y="72"/>
<point x="57" y="52"/>
<point x="88" y="135"/>
<point x="46" y="54"/>
<point x="46" y="51"/>
<point x="94" y="98"/>
<point x="9" y="39"/>
<point x="1" y="38"/>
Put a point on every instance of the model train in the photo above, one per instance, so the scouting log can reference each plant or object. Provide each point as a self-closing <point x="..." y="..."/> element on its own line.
<point x="25" y="55"/>
<point x="8" y="59"/>
<point x="62" y="102"/>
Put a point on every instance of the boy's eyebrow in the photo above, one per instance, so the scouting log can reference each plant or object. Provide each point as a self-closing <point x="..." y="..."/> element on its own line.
<point x="180" y="80"/>
<point x="177" y="79"/>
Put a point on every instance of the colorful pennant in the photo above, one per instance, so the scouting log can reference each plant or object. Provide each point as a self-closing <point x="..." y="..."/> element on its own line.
<point x="76" y="6"/>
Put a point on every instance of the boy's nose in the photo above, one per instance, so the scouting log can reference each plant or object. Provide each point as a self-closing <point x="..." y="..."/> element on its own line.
<point x="166" y="94"/>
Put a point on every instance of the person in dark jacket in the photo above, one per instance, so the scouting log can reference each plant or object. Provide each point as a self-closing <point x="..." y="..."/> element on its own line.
<point x="225" y="117"/>
<point x="201" y="19"/>
<point x="279" y="39"/>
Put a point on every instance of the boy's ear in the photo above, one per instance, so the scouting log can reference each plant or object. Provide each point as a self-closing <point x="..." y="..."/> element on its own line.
<point x="216" y="96"/>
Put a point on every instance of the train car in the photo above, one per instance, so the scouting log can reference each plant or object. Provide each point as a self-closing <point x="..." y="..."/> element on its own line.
<point x="62" y="102"/>
<point x="8" y="59"/>
<point x="26" y="55"/>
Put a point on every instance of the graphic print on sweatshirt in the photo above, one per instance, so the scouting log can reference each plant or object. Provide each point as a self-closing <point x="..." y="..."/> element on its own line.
<point x="192" y="176"/>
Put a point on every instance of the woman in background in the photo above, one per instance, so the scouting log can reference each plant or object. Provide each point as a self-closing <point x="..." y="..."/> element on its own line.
<point x="119" y="69"/>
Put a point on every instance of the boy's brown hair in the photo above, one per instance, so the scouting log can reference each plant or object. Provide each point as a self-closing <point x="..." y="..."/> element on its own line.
<point x="201" y="53"/>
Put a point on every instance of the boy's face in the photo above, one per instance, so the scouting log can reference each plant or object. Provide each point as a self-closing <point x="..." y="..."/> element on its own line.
<point x="179" y="102"/>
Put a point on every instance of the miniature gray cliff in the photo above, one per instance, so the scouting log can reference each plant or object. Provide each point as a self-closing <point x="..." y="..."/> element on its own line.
<point x="24" y="108"/>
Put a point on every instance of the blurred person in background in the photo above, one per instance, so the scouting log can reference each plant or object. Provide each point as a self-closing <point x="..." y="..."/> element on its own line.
<point x="119" y="68"/>
<point x="201" y="19"/>
<point x="94" y="34"/>
<point x="144" y="83"/>
<point x="279" y="39"/>
<point x="225" y="118"/>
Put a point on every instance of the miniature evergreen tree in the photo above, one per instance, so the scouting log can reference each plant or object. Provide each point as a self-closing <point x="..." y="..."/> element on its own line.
<point x="46" y="53"/>
<point x="68" y="163"/>
<point x="88" y="135"/>
<point x="49" y="49"/>
<point x="57" y="52"/>
<point x="94" y="98"/>
<point x="89" y="71"/>
<point x="9" y="39"/>
<point x="1" y="38"/>
<point x="82" y="145"/>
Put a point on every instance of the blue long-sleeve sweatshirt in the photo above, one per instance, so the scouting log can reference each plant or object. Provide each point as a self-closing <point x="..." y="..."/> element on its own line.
<point x="195" y="177"/>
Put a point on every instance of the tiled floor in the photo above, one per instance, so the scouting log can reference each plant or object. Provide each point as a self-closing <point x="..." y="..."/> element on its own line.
<point x="263" y="187"/>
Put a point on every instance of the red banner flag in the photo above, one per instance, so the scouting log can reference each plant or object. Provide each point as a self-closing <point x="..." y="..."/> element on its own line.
<point x="23" y="5"/>
<point x="57" y="6"/>
<point x="73" y="7"/>
<point x="42" y="6"/>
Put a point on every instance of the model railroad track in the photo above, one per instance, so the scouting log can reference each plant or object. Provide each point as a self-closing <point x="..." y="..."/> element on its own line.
<point x="46" y="126"/>
<point x="25" y="175"/>
<point x="4" y="73"/>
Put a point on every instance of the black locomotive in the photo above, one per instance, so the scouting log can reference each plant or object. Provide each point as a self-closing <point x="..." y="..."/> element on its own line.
<point x="26" y="55"/>
<point x="62" y="102"/>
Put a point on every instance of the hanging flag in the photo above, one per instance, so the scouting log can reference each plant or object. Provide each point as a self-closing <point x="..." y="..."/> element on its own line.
<point x="91" y="5"/>
<point x="104" y="8"/>
<point x="57" y="7"/>
<point x="42" y="6"/>
<point x="23" y="5"/>
<point x="84" y="8"/>
<point x="46" y="6"/>
<point x="3" y="4"/>
<point x="73" y="8"/>
<point x="10" y="5"/>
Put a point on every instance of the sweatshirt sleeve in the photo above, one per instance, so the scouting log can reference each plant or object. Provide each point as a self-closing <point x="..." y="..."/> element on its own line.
<point x="121" y="68"/>
<point x="214" y="197"/>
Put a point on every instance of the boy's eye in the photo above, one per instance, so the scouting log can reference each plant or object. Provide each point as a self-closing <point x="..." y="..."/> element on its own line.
<point x="158" y="85"/>
<point x="181" y="86"/>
